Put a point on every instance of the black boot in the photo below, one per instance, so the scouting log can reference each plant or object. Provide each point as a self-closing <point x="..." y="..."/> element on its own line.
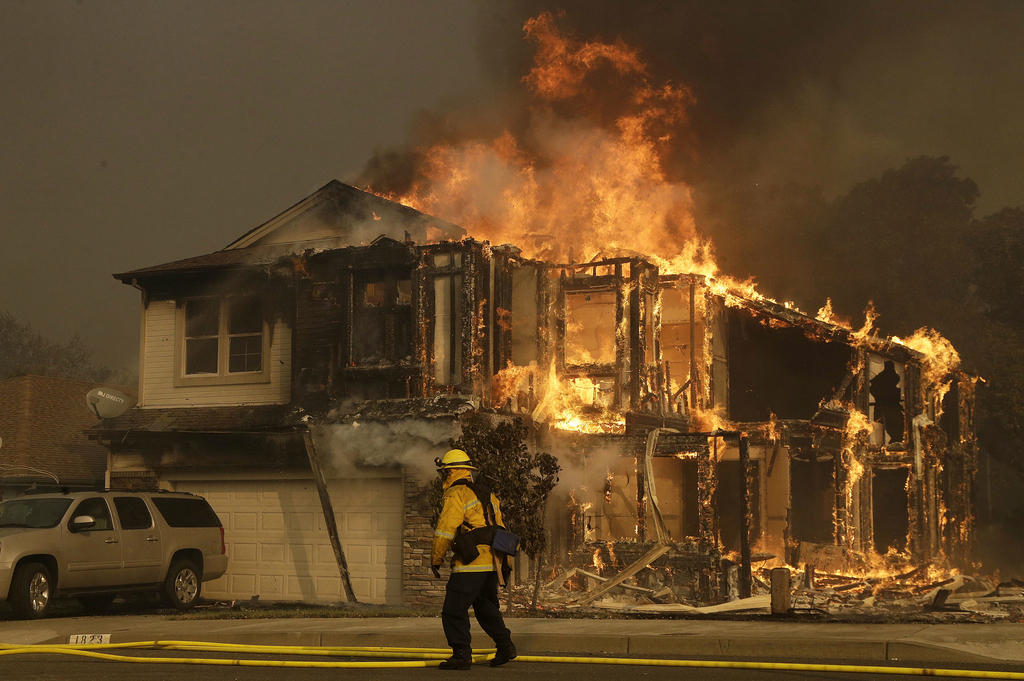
<point x="458" y="660"/>
<point x="506" y="651"/>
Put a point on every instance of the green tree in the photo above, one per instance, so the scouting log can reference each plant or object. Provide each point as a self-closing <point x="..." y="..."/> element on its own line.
<point x="897" y="240"/>
<point x="997" y="243"/>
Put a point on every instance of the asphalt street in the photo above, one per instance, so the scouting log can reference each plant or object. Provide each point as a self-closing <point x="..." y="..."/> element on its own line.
<point x="950" y="645"/>
<point x="77" y="669"/>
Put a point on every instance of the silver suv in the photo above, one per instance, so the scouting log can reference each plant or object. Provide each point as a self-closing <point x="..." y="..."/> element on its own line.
<point x="94" y="545"/>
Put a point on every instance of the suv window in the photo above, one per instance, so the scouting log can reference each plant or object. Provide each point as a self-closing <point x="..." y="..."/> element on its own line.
<point x="98" y="509"/>
<point x="34" y="513"/>
<point x="133" y="513"/>
<point x="180" y="512"/>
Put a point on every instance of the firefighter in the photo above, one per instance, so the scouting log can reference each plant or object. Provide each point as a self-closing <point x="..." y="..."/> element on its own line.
<point x="472" y="582"/>
<point x="885" y="388"/>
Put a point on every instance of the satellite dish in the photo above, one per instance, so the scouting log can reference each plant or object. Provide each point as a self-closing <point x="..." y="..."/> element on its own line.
<point x="107" y="403"/>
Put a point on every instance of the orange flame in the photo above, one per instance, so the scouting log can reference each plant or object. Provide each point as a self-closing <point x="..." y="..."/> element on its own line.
<point x="506" y="383"/>
<point x="563" y="63"/>
<point x="577" y="188"/>
<point x="940" y="357"/>
<point x="563" y="406"/>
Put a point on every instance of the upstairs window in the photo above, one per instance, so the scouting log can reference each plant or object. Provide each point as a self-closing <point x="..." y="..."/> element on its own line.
<point x="590" y="327"/>
<point x="245" y="334"/>
<point x="382" y="318"/>
<point x="202" y="336"/>
<point x="223" y="338"/>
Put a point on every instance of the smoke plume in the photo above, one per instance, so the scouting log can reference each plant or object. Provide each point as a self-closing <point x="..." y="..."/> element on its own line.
<point x="757" y="99"/>
<point x="410" y="443"/>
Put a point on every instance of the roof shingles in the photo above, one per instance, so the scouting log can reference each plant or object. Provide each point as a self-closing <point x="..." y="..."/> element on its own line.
<point x="42" y="423"/>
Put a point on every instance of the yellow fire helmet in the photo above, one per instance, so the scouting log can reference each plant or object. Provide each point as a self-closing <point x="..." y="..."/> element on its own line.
<point x="454" y="458"/>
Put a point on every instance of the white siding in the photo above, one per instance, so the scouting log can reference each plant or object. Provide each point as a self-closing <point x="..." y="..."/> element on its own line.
<point x="158" y="368"/>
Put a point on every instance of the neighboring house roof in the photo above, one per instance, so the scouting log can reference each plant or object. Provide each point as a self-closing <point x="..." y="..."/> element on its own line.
<point x="42" y="423"/>
<point x="335" y="216"/>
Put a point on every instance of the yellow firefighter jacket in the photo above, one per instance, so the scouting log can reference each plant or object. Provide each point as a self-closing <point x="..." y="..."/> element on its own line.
<point x="460" y="505"/>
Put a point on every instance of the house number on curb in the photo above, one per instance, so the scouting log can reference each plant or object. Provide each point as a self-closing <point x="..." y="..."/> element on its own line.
<point x="89" y="639"/>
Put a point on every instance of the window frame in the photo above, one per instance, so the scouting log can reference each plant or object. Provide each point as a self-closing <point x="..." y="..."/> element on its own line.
<point x="223" y="376"/>
<point x="394" y="310"/>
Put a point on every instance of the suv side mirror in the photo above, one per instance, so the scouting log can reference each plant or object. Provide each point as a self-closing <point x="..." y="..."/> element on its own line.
<point x="82" y="522"/>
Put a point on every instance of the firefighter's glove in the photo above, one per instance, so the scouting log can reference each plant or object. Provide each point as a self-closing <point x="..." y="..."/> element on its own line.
<point x="436" y="569"/>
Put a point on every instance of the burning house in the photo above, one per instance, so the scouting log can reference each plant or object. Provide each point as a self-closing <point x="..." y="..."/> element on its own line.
<point x="699" y="424"/>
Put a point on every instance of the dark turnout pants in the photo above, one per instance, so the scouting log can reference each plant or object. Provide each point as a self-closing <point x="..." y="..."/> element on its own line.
<point x="479" y="589"/>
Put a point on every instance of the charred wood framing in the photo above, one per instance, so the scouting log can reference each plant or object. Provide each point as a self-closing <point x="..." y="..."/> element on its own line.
<point x="744" y="517"/>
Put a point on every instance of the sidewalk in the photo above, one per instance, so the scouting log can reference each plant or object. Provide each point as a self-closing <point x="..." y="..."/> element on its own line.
<point x="924" y="643"/>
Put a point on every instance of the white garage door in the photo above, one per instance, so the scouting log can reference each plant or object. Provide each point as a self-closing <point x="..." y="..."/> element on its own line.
<point x="278" y="546"/>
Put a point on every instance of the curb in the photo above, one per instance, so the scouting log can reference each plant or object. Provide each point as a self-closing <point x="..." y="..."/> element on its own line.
<point x="681" y="646"/>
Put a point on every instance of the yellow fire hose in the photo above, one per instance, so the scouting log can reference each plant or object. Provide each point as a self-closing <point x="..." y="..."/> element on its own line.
<point x="431" y="657"/>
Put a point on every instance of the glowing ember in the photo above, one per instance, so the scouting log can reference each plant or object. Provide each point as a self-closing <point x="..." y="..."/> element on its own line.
<point x="772" y="433"/>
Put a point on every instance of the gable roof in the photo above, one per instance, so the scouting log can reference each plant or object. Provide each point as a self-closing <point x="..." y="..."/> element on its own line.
<point x="253" y="256"/>
<point x="335" y="216"/>
<point x="341" y="211"/>
<point x="42" y="420"/>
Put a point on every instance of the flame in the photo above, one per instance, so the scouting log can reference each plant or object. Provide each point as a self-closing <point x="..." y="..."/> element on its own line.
<point x="709" y="420"/>
<point x="598" y="561"/>
<point x="505" y="384"/>
<point x="562" y="405"/>
<point x="858" y="427"/>
<point x="589" y="531"/>
<point x="574" y="187"/>
<point x="825" y="314"/>
<point x="771" y="431"/>
<point x="861" y="335"/>
<point x="563" y="63"/>
<point x="940" y="357"/>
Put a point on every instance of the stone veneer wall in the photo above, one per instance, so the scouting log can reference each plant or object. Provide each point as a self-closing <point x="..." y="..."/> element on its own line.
<point x="419" y="588"/>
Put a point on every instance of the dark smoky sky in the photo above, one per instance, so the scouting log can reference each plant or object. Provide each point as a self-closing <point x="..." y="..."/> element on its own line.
<point x="135" y="132"/>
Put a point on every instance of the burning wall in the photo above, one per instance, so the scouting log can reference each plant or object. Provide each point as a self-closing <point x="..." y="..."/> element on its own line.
<point x="615" y="348"/>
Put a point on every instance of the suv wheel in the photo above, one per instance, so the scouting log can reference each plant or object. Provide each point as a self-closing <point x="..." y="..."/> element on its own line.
<point x="31" y="591"/>
<point x="183" y="584"/>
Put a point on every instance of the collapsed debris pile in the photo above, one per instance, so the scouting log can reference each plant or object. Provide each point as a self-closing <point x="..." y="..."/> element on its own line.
<point x="922" y="593"/>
